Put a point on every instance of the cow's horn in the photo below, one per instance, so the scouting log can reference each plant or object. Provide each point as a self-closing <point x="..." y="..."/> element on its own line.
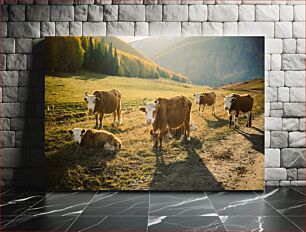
<point x="86" y="94"/>
<point x="145" y="100"/>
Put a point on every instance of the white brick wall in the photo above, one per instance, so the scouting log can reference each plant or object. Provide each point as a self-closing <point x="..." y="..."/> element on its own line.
<point x="281" y="21"/>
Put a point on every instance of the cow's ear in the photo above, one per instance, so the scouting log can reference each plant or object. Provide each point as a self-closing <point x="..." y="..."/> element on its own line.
<point x="70" y="132"/>
<point x="83" y="131"/>
<point x="223" y="95"/>
<point x="194" y="94"/>
<point x="85" y="99"/>
<point x="158" y="100"/>
<point x="97" y="94"/>
<point x="233" y="99"/>
<point x="151" y="132"/>
<point x="143" y="109"/>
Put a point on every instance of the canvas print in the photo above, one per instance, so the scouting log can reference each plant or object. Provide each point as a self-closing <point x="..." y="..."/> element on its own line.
<point x="154" y="113"/>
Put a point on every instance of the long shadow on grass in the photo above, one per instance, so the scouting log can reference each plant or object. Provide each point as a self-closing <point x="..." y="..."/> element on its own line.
<point x="190" y="174"/>
<point x="257" y="140"/>
<point x="90" y="77"/>
<point x="216" y="124"/>
<point x="69" y="166"/>
<point x="259" y="130"/>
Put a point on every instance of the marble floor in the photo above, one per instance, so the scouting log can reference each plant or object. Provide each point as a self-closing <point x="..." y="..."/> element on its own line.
<point x="275" y="210"/>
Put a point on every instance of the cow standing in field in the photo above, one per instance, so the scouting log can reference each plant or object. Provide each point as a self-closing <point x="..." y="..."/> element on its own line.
<point x="104" y="102"/>
<point x="95" y="139"/>
<point x="168" y="113"/>
<point x="203" y="99"/>
<point x="235" y="103"/>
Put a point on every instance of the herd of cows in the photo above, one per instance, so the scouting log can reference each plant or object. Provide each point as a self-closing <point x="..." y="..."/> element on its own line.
<point x="164" y="114"/>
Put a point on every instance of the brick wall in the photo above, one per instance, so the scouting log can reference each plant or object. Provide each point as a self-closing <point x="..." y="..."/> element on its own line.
<point x="24" y="23"/>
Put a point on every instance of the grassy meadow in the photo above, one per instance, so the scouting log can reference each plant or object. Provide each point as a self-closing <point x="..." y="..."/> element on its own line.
<point x="217" y="157"/>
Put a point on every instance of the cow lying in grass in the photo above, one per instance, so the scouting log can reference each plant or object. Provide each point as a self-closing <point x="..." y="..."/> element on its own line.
<point x="235" y="103"/>
<point x="97" y="139"/>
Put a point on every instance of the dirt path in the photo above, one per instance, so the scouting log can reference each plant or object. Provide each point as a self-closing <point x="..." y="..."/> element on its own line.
<point x="237" y="160"/>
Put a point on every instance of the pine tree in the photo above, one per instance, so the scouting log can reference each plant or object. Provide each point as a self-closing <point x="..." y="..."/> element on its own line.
<point x="109" y="58"/>
<point x="85" y="45"/>
<point x="91" y="54"/>
<point x="116" y="63"/>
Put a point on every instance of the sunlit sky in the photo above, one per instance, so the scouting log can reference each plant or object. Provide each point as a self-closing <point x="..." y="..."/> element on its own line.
<point x="131" y="38"/>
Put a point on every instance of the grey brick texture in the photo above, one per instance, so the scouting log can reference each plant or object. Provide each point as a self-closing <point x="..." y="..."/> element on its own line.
<point x="24" y="23"/>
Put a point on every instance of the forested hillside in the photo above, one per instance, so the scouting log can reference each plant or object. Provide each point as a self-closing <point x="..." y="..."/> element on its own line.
<point x="122" y="46"/>
<point x="101" y="55"/>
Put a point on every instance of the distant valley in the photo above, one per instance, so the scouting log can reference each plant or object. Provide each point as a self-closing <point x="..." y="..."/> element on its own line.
<point x="209" y="61"/>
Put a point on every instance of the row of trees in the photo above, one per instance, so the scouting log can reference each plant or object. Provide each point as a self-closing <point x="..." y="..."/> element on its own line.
<point x="68" y="54"/>
<point x="100" y="57"/>
<point x="63" y="54"/>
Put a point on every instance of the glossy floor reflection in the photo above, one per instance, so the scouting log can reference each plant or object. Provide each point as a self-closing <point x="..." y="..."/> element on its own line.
<point x="281" y="209"/>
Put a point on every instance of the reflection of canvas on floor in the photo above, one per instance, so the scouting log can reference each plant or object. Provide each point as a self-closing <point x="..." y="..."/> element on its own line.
<point x="186" y="114"/>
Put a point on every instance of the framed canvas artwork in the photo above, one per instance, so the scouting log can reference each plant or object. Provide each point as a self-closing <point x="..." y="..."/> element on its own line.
<point x="154" y="113"/>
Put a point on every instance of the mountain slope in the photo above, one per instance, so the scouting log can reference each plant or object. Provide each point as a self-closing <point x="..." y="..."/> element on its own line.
<point x="214" y="61"/>
<point x="133" y="63"/>
<point x="153" y="45"/>
<point x="253" y="85"/>
<point x="123" y="46"/>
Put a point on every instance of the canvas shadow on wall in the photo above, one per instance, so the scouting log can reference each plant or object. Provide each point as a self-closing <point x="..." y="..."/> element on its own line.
<point x="154" y="113"/>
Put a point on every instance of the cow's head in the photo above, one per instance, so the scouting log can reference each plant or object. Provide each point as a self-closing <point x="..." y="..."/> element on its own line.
<point x="77" y="134"/>
<point x="117" y="144"/>
<point x="197" y="97"/>
<point x="228" y="101"/>
<point x="91" y="102"/>
<point x="150" y="110"/>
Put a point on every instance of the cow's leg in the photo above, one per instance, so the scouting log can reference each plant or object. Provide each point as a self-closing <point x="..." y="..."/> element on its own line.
<point x="248" y="114"/>
<point x="250" y="119"/>
<point x="230" y="120"/>
<point x="155" y="140"/>
<point x="183" y="132"/>
<point x="187" y="130"/>
<point x="96" y="126"/>
<point x="115" y="116"/>
<point x="213" y="109"/>
<point x="100" y="119"/>
<point x="236" y="120"/>
<point x="160" y="142"/>
<point x="201" y="108"/>
<point x="169" y="134"/>
<point x="119" y="116"/>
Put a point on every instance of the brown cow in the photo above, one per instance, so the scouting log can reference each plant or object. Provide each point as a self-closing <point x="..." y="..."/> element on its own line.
<point x="235" y="103"/>
<point x="203" y="99"/>
<point x="104" y="102"/>
<point x="168" y="113"/>
<point x="95" y="138"/>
